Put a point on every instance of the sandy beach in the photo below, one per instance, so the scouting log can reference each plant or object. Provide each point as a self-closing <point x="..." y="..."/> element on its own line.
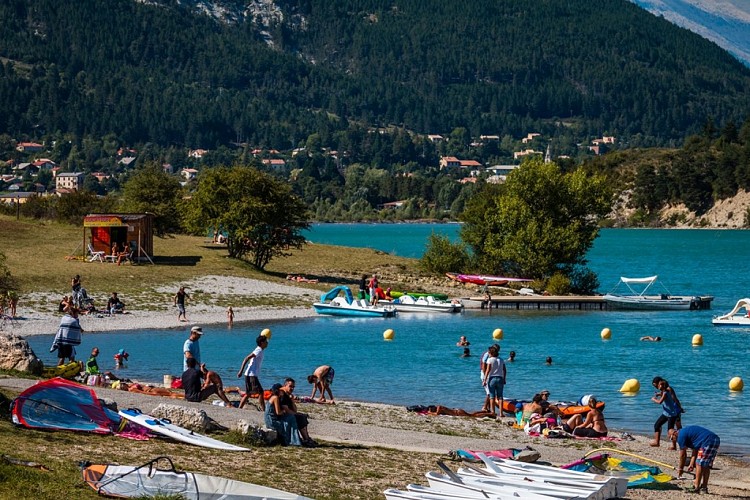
<point x="351" y="422"/>
<point x="45" y="320"/>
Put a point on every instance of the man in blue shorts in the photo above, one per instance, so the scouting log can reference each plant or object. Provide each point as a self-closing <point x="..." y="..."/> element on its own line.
<point x="705" y="446"/>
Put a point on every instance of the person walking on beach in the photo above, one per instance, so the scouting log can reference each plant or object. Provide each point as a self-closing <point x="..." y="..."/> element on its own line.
<point x="192" y="348"/>
<point x="230" y="316"/>
<point x="179" y="301"/>
<point x="254" y="362"/>
<point x="321" y="379"/>
<point x="68" y="335"/>
<point x="705" y="446"/>
<point x="13" y="303"/>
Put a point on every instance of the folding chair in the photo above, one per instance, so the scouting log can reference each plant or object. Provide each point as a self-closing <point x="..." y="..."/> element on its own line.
<point x="94" y="255"/>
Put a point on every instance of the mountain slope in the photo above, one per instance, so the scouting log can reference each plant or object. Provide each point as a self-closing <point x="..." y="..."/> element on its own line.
<point x="202" y="74"/>
<point x="725" y="22"/>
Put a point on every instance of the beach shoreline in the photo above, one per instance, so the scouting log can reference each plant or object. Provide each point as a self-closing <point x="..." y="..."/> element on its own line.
<point x="351" y="422"/>
<point x="374" y="425"/>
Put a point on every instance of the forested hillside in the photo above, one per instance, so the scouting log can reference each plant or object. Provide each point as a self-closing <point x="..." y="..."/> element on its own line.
<point x="165" y="73"/>
<point x="338" y="98"/>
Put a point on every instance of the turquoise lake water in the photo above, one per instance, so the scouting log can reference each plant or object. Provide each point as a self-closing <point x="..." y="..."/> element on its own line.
<point x="422" y="364"/>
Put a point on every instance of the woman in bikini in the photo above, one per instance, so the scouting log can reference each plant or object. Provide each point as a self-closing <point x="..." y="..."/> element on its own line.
<point x="593" y="426"/>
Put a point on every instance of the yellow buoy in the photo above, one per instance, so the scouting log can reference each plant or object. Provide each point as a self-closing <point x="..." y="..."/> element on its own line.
<point x="606" y="333"/>
<point x="631" y="385"/>
<point x="497" y="334"/>
<point x="736" y="384"/>
<point x="697" y="339"/>
<point x="389" y="334"/>
<point x="266" y="333"/>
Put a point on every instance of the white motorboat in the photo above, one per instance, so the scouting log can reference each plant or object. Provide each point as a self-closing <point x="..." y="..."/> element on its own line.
<point x="332" y="304"/>
<point x="635" y="299"/>
<point x="407" y="303"/>
<point x="735" y="317"/>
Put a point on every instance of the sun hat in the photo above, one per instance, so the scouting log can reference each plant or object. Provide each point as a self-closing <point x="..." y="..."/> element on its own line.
<point x="545" y="391"/>
<point x="197" y="329"/>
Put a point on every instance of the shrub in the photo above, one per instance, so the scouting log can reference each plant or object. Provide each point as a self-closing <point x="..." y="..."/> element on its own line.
<point x="584" y="281"/>
<point x="442" y="255"/>
<point x="558" y="284"/>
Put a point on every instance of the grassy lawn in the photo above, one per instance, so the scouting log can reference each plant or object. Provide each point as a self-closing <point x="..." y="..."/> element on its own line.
<point x="331" y="471"/>
<point x="39" y="256"/>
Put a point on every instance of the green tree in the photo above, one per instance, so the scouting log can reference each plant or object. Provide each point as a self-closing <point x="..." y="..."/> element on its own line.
<point x="443" y="256"/>
<point x="260" y="215"/>
<point x="540" y="222"/>
<point x="152" y="190"/>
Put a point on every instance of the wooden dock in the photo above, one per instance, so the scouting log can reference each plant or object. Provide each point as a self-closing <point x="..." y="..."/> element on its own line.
<point x="553" y="302"/>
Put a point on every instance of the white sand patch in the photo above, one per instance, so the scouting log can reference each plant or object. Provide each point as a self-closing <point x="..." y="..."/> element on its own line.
<point x="35" y="321"/>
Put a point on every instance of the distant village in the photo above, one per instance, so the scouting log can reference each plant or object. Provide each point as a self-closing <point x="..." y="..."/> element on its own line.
<point x="31" y="173"/>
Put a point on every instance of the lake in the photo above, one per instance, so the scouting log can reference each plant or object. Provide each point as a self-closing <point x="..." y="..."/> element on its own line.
<point x="422" y="365"/>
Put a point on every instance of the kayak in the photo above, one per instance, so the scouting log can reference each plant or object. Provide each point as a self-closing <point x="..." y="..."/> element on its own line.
<point x="481" y="279"/>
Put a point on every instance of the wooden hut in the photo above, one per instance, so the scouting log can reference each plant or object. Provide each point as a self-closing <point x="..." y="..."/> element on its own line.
<point x="134" y="230"/>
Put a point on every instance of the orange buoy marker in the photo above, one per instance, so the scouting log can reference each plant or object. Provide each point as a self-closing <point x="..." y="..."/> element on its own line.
<point x="389" y="334"/>
<point x="631" y="386"/>
<point x="736" y="384"/>
<point x="266" y="333"/>
<point x="497" y="334"/>
<point x="606" y="334"/>
<point x="697" y="339"/>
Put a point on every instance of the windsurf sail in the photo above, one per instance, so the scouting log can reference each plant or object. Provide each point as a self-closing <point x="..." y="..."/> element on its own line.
<point x="147" y="480"/>
<point x="63" y="405"/>
<point x="638" y="475"/>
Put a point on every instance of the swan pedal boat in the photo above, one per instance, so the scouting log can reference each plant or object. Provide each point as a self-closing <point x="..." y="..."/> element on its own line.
<point x="334" y="305"/>
<point x="735" y="317"/>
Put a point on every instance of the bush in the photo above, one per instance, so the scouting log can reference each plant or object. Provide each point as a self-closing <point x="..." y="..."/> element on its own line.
<point x="442" y="255"/>
<point x="584" y="281"/>
<point x="558" y="284"/>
